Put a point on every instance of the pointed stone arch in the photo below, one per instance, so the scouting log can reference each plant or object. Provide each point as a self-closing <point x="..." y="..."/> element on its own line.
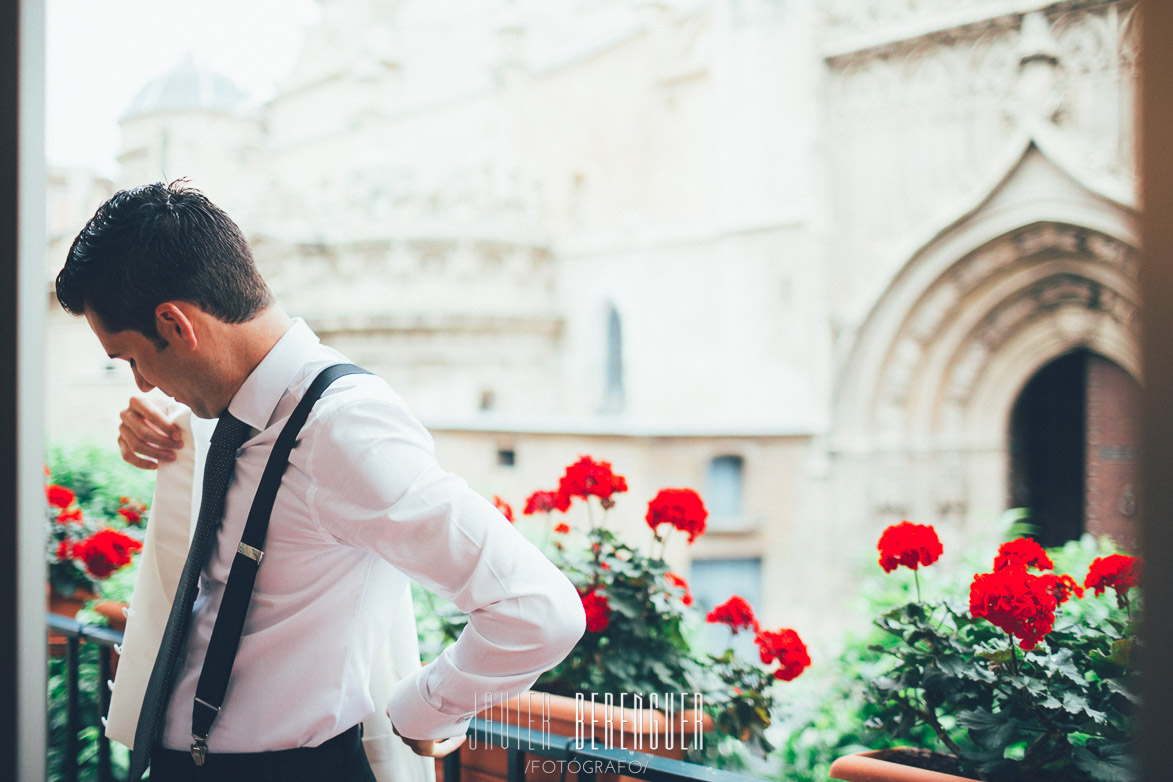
<point x="1043" y="264"/>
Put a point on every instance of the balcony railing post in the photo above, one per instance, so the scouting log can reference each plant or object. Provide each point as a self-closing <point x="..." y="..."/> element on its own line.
<point x="73" y="708"/>
<point x="452" y="766"/>
<point x="105" y="773"/>
<point x="515" y="766"/>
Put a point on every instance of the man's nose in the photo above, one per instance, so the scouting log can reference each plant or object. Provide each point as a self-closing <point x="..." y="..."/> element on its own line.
<point x="142" y="384"/>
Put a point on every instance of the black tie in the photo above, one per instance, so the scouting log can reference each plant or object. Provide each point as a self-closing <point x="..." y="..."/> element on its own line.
<point x="226" y="440"/>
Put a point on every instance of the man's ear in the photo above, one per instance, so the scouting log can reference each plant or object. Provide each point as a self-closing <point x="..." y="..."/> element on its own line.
<point x="174" y="325"/>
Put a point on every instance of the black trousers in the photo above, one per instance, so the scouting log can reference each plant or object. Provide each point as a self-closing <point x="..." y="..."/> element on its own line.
<point x="341" y="759"/>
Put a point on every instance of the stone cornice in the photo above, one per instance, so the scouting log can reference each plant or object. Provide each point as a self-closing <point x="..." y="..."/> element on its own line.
<point x="904" y="27"/>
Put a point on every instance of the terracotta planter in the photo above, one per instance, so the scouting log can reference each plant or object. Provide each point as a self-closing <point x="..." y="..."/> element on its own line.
<point x="642" y="731"/>
<point x="875" y="767"/>
<point x="64" y="605"/>
<point x="114" y="612"/>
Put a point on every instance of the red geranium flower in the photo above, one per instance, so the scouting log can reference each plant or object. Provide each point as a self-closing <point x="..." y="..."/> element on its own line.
<point x="105" y="551"/>
<point x="63" y="552"/>
<point x="1022" y="551"/>
<point x="736" y="613"/>
<point x="504" y="507"/>
<point x="562" y="528"/>
<point x="908" y="544"/>
<point x="1117" y="571"/>
<point x="787" y="648"/>
<point x="1016" y="601"/>
<point x="586" y="477"/>
<point x="682" y="508"/>
<point x="59" y="496"/>
<point x="677" y="581"/>
<point x="546" y="501"/>
<point x="598" y="611"/>
<point x="69" y="514"/>
<point x="1061" y="586"/>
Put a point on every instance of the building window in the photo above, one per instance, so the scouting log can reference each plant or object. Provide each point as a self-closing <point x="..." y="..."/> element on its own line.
<point x="712" y="582"/>
<point x="723" y="489"/>
<point x="506" y="457"/>
<point x="613" y="397"/>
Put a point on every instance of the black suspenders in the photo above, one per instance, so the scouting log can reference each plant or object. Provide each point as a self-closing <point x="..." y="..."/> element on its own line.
<point x="225" y="640"/>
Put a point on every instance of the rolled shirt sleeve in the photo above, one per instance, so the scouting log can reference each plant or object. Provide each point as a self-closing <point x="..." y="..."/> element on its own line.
<point x="377" y="486"/>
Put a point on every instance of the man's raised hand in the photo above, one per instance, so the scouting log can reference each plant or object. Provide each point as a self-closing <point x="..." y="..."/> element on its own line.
<point x="145" y="436"/>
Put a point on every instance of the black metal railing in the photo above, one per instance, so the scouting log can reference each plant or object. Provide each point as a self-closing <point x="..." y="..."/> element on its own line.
<point x="561" y="753"/>
<point x="105" y="639"/>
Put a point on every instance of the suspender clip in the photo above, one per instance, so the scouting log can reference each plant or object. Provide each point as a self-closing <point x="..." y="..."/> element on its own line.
<point x="252" y="553"/>
<point x="199" y="749"/>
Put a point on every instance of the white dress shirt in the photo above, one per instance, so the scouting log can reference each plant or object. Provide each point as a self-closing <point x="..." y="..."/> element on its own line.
<point x="363" y="507"/>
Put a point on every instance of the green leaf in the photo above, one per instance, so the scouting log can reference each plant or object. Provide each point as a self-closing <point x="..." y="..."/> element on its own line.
<point x="1114" y="767"/>
<point x="1074" y="703"/>
<point x="1119" y="687"/>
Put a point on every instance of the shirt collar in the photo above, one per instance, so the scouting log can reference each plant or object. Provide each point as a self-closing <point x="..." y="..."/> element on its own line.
<point x="257" y="398"/>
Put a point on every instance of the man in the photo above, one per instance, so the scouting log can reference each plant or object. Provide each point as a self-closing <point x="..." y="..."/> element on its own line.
<point x="167" y="283"/>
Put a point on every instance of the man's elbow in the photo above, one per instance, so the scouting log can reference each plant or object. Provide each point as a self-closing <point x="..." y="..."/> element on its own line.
<point x="568" y="621"/>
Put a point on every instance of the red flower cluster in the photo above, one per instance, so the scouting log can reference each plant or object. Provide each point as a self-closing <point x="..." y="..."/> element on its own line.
<point x="682" y="508"/>
<point x="908" y="544"/>
<point x="131" y="510"/>
<point x="680" y="583"/>
<point x="736" y="613"/>
<point x="546" y="501"/>
<point x="105" y="551"/>
<point x="787" y="648"/>
<point x="562" y="528"/>
<point x="782" y="645"/>
<point x="63" y="499"/>
<point x="586" y="477"/>
<point x="598" y="611"/>
<point x="1116" y="571"/>
<point x="1061" y="586"/>
<point x="504" y="507"/>
<point x="69" y="514"/>
<point x="1022" y="551"/>
<point x="59" y="496"/>
<point x="1015" y="601"/>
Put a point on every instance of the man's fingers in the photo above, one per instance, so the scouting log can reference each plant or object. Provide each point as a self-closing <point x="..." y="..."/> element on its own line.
<point x="130" y="458"/>
<point x="447" y="746"/>
<point x="128" y="440"/>
<point x="149" y="420"/>
<point x="145" y="436"/>
<point x="153" y="413"/>
<point x="435" y="749"/>
<point x="430" y="748"/>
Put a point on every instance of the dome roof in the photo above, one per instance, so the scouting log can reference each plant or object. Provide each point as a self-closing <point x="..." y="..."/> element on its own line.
<point x="186" y="87"/>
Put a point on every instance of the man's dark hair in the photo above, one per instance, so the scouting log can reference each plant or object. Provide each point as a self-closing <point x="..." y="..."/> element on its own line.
<point x="160" y="243"/>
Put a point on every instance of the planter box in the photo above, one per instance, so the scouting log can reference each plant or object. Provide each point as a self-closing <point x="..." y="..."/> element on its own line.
<point x="875" y="767"/>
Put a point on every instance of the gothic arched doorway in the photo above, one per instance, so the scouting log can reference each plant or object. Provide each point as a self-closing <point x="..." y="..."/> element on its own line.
<point x="1073" y="448"/>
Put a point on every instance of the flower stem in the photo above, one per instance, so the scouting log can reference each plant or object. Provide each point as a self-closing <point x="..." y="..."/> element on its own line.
<point x="1013" y="654"/>
<point x="916" y="580"/>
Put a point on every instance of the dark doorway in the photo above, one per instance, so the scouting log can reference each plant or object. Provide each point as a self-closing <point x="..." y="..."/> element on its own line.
<point x="1047" y="438"/>
<point x="1072" y="447"/>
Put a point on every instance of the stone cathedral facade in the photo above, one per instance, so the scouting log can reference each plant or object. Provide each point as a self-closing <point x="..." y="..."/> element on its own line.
<point x="833" y="264"/>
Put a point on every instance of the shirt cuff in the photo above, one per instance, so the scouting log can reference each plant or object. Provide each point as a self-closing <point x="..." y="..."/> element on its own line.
<point x="414" y="718"/>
